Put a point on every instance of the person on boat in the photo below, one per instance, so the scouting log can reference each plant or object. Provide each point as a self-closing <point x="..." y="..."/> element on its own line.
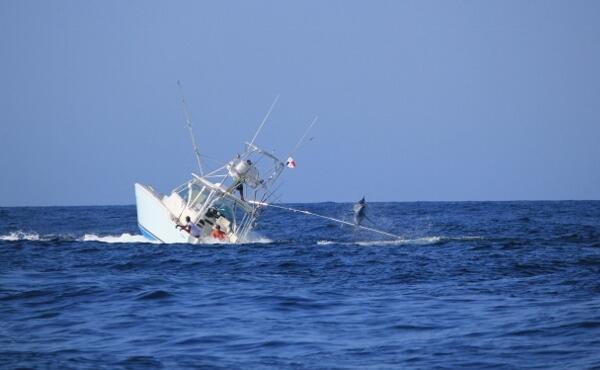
<point x="240" y="188"/>
<point x="239" y="175"/>
<point x="190" y="227"/>
<point x="217" y="233"/>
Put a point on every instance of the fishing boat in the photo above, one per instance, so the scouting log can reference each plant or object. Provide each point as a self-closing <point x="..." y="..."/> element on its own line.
<point x="211" y="200"/>
<point x="229" y="198"/>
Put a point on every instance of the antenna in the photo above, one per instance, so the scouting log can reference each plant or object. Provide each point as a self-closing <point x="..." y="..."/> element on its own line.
<point x="264" y="120"/>
<point x="188" y="122"/>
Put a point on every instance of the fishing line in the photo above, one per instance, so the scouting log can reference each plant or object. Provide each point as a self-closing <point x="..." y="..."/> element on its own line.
<point x="327" y="218"/>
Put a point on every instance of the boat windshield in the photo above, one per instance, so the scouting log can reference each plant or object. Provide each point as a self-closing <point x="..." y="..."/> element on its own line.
<point x="225" y="207"/>
<point x="194" y="195"/>
<point x="232" y="210"/>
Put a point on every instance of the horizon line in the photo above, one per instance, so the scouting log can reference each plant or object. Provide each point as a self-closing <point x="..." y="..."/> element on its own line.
<point x="327" y="201"/>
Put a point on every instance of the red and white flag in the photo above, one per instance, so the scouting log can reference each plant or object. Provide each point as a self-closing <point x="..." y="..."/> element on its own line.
<point x="291" y="163"/>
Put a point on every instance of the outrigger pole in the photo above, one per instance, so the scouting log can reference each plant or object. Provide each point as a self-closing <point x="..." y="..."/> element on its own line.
<point x="188" y="122"/>
<point x="327" y="218"/>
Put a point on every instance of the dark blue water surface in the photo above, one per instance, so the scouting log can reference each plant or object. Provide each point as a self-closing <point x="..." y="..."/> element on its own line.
<point x="471" y="285"/>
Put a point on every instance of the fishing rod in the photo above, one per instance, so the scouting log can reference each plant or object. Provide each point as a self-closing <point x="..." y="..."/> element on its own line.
<point x="327" y="218"/>
<point x="188" y="122"/>
<point x="301" y="141"/>
<point x="264" y="120"/>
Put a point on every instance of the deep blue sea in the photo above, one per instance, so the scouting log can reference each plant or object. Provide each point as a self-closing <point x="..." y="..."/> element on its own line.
<point x="470" y="285"/>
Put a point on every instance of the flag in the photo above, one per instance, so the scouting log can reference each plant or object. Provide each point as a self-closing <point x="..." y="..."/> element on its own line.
<point x="291" y="163"/>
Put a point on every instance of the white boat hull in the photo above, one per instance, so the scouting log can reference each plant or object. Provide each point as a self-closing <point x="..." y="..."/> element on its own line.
<point x="155" y="220"/>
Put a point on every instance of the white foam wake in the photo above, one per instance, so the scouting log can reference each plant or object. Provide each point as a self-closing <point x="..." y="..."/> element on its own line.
<point x="20" y="235"/>
<point x="254" y="239"/>
<point x="123" y="238"/>
<point x="111" y="239"/>
<point x="418" y="241"/>
<point x="428" y="240"/>
<point x="33" y="236"/>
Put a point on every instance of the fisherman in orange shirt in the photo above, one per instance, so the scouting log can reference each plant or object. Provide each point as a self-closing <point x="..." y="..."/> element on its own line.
<point x="217" y="233"/>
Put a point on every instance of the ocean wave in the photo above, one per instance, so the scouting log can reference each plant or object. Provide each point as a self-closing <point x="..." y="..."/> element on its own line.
<point x="126" y="238"/>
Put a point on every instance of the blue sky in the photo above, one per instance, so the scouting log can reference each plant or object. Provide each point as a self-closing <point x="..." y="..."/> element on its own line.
<point x="417" y="100"/>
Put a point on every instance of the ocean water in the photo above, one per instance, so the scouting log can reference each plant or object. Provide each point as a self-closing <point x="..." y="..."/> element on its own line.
<point x="470" y="285"/>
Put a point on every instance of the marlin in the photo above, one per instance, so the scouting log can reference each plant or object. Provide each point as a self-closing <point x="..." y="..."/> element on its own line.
<point x="360" y="211"/>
